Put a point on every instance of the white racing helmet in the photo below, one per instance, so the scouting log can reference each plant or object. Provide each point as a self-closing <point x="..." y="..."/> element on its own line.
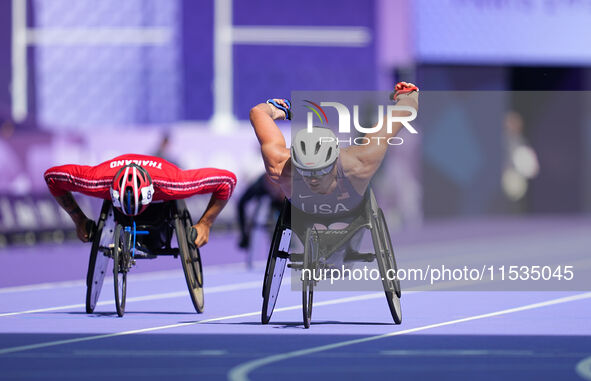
<point x="314" y="153"/>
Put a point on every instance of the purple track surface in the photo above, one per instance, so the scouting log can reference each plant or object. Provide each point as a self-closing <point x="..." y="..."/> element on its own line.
<point x="445" y="335"/>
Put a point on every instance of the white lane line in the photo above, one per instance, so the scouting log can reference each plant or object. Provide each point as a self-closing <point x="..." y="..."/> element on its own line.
<point x="148" y="353"/>
<point x="152" y="275"/>
<point x="42" y="286"/>
<point x="240" y="372"/>
<point x="583" y="368"/>
<point x="170" y="326"/>
<point x="156" y="275"/>
<point x="461" y="353"/>
<point x="165" y="295"/>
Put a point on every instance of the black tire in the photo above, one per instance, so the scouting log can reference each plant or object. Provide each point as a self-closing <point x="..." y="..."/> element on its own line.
<point x="387" y="265"/>
<point x="120" y="254"/>
<point x="94" y="284"/>
<point x="394" y="306"/>
<point x="190" y="258"/>
<point x="310" y="256"/>
<point x="273" y="275"/>
<point x="390" y="249"/>
<point x="275" y="239"/>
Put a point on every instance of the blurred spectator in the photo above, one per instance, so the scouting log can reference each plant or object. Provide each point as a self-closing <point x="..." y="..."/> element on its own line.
<point x="521" y="161"/>
<point x="15" y="179"/>
<point x="162" y="150"/>
<point x="261" y="188"/>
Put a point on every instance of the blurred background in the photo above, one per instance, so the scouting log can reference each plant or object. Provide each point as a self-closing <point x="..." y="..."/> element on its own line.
<point x="505" y="122"/>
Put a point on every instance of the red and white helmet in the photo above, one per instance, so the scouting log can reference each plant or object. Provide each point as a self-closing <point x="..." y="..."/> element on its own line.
<point x="132" y="189"/>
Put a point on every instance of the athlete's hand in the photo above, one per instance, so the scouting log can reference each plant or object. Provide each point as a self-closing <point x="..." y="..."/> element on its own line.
<point x="202" y="233"/>
<point x="84" y="229"/>
<point x="277" y="113"/>
<point x="404" y="89"/>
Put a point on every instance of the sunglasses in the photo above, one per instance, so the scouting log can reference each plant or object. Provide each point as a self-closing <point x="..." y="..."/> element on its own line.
<point x="316" y="172"/>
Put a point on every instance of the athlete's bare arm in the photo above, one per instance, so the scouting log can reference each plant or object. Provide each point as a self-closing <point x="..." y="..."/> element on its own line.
<point x="361" y="162"/>
<point x="69" y="204"/>
<point x="213" y="209"/>
<point x="61" y="183"/>
<point x="186" y="183"/>
<point x="273" y="146"/>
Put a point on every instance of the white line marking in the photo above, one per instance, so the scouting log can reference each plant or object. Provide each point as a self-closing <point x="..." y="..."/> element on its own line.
<point x="240" y="372"/>
<point x="99" y="36"/>
<point x="458" y="352"/>
<point x="163" y="327"/>
<point x="152" y="275"/>
<point x="583" y="368"/>
<point x="148" y="353"/>
<point x="155" y="275"/>
<point x="351" y="36"/>
<point x="42" y="286"/>
<point x="165" y="295"/>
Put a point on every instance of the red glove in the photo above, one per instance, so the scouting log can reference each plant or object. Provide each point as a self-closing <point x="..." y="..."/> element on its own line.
<point x="403" y="88"/>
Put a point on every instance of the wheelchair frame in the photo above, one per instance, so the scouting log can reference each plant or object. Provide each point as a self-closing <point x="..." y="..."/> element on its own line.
<point x="147" y="236"/>
<point x="321" y="244"/>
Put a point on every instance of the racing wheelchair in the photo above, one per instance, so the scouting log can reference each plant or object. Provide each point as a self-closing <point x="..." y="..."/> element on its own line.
<point x="321" y="244"/>
<point x="149" y="235"/>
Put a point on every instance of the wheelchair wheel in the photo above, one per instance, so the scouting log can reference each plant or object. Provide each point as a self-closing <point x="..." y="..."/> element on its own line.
<point x="97" y="263"/>
<point x="190" y="258"/>
<point x="387" y="264"/>
<point x="274" y="270"/>
<point x="121" y="258"/>
<point x="275" y="238"/>
<point x="310" y="257"/>
<point x="390" y="250"/>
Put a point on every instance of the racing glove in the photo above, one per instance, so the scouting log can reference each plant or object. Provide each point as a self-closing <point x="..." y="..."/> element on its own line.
<point x="287" y="110"/>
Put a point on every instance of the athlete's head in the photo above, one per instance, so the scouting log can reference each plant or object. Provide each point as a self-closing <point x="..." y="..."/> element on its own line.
<point x="314" y="155"/>
<point x="132" y="189"/>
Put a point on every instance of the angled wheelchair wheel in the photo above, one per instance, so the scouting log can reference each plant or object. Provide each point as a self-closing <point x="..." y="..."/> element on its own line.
<point x="98" y="262"/>
<point x="121" y="258"/>
<point x="391" y="259"/>
<point x="190" y="257"/>
<point x="387" y="265"/>
<point x="310" y="257"/>
<point x="275" y="238"/>
<point x="276" y="262"/>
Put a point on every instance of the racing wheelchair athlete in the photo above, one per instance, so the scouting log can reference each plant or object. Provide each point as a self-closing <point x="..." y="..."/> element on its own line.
<point x="143" y="208"/>
<point x="329" y="202"/>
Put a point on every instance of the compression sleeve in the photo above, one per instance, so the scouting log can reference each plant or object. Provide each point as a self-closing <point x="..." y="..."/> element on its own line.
<point x="197" y="181"/>
<point x="77" y="178"/>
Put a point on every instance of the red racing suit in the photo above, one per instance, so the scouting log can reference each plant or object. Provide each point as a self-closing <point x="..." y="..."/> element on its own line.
<point x="170" y="182"/>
